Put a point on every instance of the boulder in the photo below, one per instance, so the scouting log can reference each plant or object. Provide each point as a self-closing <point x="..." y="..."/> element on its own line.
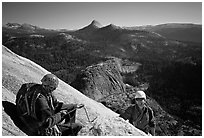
<point x="100" y="80"/>
<point x="103" y="82"/>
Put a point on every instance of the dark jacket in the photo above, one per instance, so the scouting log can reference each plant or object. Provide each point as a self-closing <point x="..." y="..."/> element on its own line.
<point x="47" y="110"/>
<point x="140" y="119"/>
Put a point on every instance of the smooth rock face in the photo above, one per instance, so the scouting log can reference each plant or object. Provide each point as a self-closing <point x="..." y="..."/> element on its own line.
<point x="104" y="83"/>
<point x="100" y="80"/>
<point x="17" y="70"/>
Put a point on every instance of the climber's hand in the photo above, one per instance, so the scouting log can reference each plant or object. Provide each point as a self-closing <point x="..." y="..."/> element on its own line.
<point x="63" y="112"/>
<point x="80" y="106"/>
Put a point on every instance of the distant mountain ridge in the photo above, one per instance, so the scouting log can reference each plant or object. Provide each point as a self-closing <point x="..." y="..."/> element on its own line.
<point x="174" y="31"/>
<point x="111" y="27"/>
<point x="16" y="28"/>
<point x="21" y="26"/>
<point x="96" y="23"/>
<point x="91" y="27"/>
<point x="125" y="42"/>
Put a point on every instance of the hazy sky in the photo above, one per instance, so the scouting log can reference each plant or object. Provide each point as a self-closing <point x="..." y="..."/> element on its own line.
<point x="67" y="15"/>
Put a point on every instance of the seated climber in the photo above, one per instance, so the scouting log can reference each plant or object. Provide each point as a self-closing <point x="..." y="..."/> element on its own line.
<point x="140" y="115"/>
<point x="42" y="114"/>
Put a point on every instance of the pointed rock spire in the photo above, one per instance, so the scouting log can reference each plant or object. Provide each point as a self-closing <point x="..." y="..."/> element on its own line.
<point x="96" y="24"/>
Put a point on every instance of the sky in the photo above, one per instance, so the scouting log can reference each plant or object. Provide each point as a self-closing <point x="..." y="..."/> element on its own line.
<point x="76" y="15"/>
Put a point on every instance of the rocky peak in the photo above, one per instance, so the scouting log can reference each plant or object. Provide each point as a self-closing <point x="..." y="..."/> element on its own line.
<point x="112" y="27"/>
<point x="28" y="26"/>
<point x="91" y="27"/>
<point x="24" y="26"/>
<point x="96" y="24"/>
<point x="12" y="25"/>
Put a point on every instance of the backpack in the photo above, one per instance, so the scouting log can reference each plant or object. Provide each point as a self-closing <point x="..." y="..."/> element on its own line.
<point x="25" y="104"/>
<point x="26" y="98"/>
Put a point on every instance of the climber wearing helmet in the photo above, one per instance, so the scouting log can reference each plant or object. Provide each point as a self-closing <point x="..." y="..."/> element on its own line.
<point x="44" y="115"/>
<point x="140" y="114"/>
<point x="50" y="82"/>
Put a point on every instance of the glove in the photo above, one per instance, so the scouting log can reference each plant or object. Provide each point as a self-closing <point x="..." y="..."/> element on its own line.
<point x="80" y="106"/>
<point x="63" y="113"/>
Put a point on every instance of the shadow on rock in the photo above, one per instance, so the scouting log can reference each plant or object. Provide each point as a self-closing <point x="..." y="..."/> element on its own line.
<point x="10" y="109"/>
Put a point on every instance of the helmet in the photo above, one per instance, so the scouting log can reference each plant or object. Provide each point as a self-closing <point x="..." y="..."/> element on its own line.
<point x="140" y="94"/>
<point x="50" y="80"/>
